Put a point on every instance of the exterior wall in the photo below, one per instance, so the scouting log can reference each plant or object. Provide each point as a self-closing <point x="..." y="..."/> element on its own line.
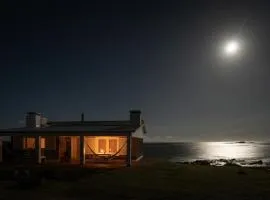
<point x="139" y="133"/>
<point x="136" y="147"/>
<point x="50" y="142"/>
<point x="17" y="142"/>
<point x="62" y="146"/>
<point x="51" y="154"/>
<point x="51" y="148"/>
<point x="137" y="143"/>
<point x="50" y="151"/>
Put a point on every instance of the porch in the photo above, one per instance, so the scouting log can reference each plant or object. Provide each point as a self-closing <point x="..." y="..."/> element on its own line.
<point x="78" y="149"/>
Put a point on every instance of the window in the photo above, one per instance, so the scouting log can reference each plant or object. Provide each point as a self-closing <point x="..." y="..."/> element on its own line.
<point x="102" y="146"/>
<point x="107" y="145"/>
<point x="29" y="143"/>
<point x="43" y="144"/>
<point x="112" y="145"/>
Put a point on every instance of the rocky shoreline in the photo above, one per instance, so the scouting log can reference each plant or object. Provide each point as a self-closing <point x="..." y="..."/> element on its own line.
<point x="226" y="162"/>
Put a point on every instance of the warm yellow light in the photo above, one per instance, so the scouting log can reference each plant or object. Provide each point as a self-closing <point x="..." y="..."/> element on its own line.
<point x="101" y="151"/>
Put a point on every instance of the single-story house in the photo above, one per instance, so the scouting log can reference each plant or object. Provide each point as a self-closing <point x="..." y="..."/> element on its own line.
<point x="78" y="141"/>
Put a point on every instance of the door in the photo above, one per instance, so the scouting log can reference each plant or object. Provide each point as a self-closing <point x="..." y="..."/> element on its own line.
<point x="68" y="149"/>
<point x="64" y="148"/>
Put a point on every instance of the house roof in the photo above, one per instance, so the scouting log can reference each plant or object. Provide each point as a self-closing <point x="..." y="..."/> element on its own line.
<point x="89" y="123"/>
<point x="74" y="128"/>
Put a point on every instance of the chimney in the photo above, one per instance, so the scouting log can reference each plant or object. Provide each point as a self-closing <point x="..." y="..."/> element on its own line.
<point x="33" y="120"/>
<point x="82" y="117"/>
<point x="43" y="121"/>
<point x="135" y="118"/>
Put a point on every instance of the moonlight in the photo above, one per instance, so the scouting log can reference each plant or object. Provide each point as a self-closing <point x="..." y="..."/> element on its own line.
<point x="231" y="47"/>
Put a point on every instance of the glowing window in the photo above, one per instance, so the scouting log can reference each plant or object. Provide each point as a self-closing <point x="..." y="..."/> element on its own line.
<point x="29" y="143"/>
<point x="43" y="144"/>
<point x="102" y="146"/>
<point x="112" y="145"/>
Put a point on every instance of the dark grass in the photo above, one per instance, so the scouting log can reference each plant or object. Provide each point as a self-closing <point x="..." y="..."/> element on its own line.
<point x="148" y="181"/>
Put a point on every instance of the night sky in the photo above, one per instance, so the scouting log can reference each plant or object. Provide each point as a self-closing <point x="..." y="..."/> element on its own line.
<point x="164" y="57"/>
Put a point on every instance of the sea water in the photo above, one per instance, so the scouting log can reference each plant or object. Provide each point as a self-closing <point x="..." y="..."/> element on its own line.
<point x="217" y="153"/>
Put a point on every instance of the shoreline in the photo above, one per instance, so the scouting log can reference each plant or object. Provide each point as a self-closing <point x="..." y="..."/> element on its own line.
<point x="226" y="162"/>
<point x="211" y="162"/>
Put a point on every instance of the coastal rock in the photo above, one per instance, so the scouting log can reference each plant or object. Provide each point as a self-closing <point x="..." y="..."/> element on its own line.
<point x="183" y="163"/>
<point x="231" y="164"/>
<point x="201" y="162"/>
<point x="218" y="163"/>
<point x="241" y="142"/>
<point x="259" y="162"/>
<point x="186" y="163"/>
<point x="224" y="162"/>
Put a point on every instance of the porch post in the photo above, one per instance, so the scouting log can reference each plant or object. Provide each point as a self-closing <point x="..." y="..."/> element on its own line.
<point x="82" y="150"/>
<point x="38" y="149"/>
<point x="129" y="161"/>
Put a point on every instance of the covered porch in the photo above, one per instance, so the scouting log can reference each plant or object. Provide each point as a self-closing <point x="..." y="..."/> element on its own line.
<point x="76" y="147"/>
<point x="96" y="148"/>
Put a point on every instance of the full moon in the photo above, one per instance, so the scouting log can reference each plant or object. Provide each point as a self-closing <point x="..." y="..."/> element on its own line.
<point x="231" y="47"/>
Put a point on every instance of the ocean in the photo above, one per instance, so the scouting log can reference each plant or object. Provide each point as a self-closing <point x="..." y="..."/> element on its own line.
<point x="256" y="154"/>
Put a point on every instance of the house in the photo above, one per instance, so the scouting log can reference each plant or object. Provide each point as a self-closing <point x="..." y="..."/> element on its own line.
<point x="78" y="141"/>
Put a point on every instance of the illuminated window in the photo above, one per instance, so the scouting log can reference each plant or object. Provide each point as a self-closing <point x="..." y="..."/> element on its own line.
<point x="102" y="146"/>
<point x="107" y="145"/>
<point x="112" y="145"/>
<point x="29" y="143"/>
<point x="43" y="144"/>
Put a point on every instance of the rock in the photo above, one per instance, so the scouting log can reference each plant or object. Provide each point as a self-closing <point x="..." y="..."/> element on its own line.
<point x="183" y="163"/>
<point x="231" y="164"/>
<point x="186" y="163"/>
<point x="259" y="162"/>
<point x="218" y="163"/>
<point x="223" y="160"/>
<point x="201" y="162"/>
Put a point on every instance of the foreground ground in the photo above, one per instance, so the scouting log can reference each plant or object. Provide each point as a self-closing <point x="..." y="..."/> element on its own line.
<point x="149" y="181"/>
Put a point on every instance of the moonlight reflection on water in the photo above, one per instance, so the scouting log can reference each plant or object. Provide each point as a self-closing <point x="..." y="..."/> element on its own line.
<point x="217" y="150"/>
<point x="180" y="152"/>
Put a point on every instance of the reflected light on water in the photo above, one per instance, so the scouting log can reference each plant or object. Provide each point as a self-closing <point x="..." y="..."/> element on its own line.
<point x="217" y="150"/>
